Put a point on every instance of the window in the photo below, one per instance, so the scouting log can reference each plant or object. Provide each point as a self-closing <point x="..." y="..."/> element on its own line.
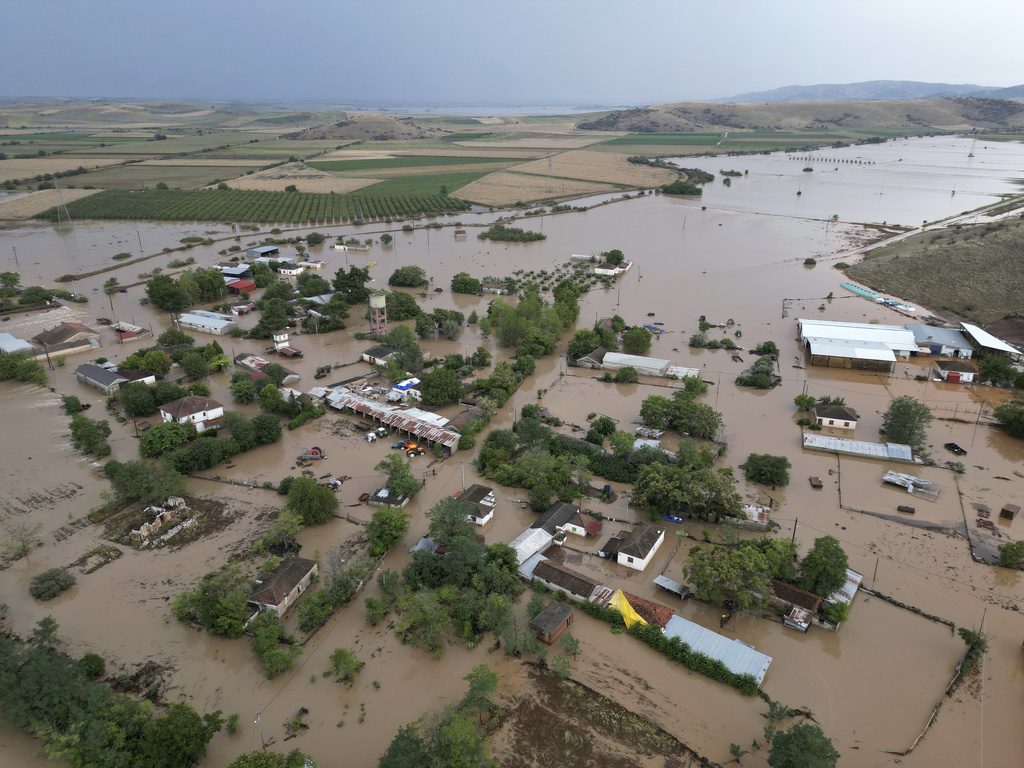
<point x="629" y="559"/>
<point x="831" y="422"/>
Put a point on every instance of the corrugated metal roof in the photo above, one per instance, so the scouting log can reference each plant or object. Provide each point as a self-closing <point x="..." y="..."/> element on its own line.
<point x="848" y="591"/>
<point x="410" y="420"/>
<point x="896" y="451"/>
<point x="530" y="542"/>
<point x="895" y="337"/>
<point x="987" y="340"/>
<point x="620" y="360"/>
<point x="681" y="372"/>
<point x="858" y="350"/>
<point x="9" y="343"/>
<point x="738" y="657"/>
<point x="930" y="334"/>
<point x="527" y="567"/>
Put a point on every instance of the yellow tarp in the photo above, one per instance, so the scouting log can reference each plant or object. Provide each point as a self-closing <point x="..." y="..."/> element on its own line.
<point x="619" y="602"/>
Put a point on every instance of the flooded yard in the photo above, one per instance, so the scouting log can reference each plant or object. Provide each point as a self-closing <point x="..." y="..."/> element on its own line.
<point x="871" y="686"/>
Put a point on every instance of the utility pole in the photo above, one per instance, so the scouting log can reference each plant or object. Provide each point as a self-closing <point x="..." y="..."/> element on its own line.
<point x="462" y="470"/>
<point x="16" y="264"/>
<point x="796" y="521"/>
<point x="258" y="721"/>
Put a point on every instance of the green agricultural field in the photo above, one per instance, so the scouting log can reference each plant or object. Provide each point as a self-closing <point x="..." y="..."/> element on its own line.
<point x="249" y="206"/>
<point x="274" y="150"/>
<point x="138" y="176"/>
<point x="173" y="145"/>
<point x="423" y="184"/>
<point x="71" y="142"/>
<point x="410" y="161"/>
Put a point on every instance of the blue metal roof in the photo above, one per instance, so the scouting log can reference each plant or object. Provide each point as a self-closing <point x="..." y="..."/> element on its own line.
<point x="737" y="656"/>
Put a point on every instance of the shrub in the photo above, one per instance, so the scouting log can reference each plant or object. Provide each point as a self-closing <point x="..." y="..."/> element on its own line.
<point x="50" y="583"/>
<point x="93" y="666"/>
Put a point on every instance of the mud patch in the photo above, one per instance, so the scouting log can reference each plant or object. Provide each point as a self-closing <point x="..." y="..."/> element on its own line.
<point x="96" y="558"/>
<point x="39" y="499"/>
<point x="203" y="517"/>
<point x="562" y="722"/>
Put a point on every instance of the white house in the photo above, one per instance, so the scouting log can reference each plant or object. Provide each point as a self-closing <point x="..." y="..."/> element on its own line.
<point x="479" y="502"/>
<point x="613" y="270"/>
<point x="956" y="371"/>
<point x="835" y="416"/>
<point x="634" y="549"/>
<point x="404" y="390"/>
<point x="206" y="414"/>
<point x="378" y="355"/>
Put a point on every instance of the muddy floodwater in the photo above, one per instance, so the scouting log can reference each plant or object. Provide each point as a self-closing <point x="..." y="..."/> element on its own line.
<point x="872" y="685"/>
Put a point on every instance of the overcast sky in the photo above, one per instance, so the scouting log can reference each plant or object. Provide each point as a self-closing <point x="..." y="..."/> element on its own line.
<point x="564" y="52"/>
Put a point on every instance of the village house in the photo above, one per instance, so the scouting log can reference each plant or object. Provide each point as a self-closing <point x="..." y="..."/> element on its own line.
<point x="68" y="339"/>
<point x="106" y="381"/>
<point x="499" y="289"/>
<point x="634" y="549"/>
<point x="238" y="271"/>
<point x="257" y="366"/>
<point x="800" y="606"/>
<point x="290" y="270"/>
<point x="550" y="623"/>
<point x="378" y="355"/>
<point x="956" y="371"/>
<point x="206" y="414"/>
<point x="835" y="416"/>
<point x="556" y="517"/>
<point x="241" y="286"/>
<point x="479" y="502"/>
<point x="613" y="270"/>
<point x="558" y="578"/>
<point x="279" y="591"/>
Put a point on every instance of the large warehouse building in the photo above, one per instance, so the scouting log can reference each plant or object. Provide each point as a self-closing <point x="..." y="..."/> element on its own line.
<point x="855" y="345"/>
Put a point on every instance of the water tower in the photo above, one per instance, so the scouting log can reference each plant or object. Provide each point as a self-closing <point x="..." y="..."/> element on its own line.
<point x="378" y="313"/>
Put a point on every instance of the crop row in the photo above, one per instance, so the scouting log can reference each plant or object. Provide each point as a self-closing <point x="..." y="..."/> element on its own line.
<point x="253" y="206"/>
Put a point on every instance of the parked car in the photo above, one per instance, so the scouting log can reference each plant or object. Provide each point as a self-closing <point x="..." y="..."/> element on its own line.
<point x="955" y="449"/>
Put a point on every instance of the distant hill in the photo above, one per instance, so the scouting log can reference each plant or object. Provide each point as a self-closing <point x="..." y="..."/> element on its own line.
<point x="954" y="114"/>
<point x="890" y="90"/>
<point x="369" y="127"/>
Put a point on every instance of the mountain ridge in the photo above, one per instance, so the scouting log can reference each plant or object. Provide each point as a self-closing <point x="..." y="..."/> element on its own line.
<point x="871" y="90"/>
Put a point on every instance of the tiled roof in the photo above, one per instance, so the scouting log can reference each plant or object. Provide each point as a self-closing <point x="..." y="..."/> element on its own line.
<point x="650" y="611"/>
<point x="281" y="582"/>
<point x="572" y="582"/>
<point x="641" y="541"/>
<point x="188" y="405"/>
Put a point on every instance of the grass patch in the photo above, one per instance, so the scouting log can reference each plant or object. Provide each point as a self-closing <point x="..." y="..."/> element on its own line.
<point x="421" y="185"/>
<point x="138" y="176"/>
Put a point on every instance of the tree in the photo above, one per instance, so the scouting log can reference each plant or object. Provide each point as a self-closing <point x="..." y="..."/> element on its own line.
<point x="9" y="280"/>
<point x="316" y="503"/>
<point x="137" y="399"/>
<point x="386" y="528"/>
<point x="613" y="257"/>
<point x="20" y="537"/>
<point x="352" y="284"/>
<point x="425" y="326"/>
<point x="90" y="436"/>
<point x="314" y="238"/>
<point x="267" y="428"/>
<point x="406" y="750"/>
<point x="311" y="284"/>
<point x="655" y="411"/>
<point x="163" y="438"/>
<point x="219" y="602"/>
<point x="271" y="399"/>
<point x="178" y="738"/>
<point x="736" y="576"/>
<point x="50" y="583"/>
<point x="766" y="469"/>
<point x="399" y="477"/>
<point x="481" y="358"/>
<point x="805" y="402"/>
<point x="166" y="294"/>
<point x="345" y="665"/>
<point x="408" y="277"/>
<point x="440" y="387"/>
<point x="401" y="306"/>
<point x="243" y="390"/>
<point x="34" y="295"/>
<point x="621" y="443"/>
<point x="584" y="341"/>
<point x="996" y="369"/>
<point x="293" y="759"/>
<point x="424" y="621"/>
<point x="386" y="239"/>
<point x="148" y="481"/>
<point x="93" y="665"/>
<point x="462" y="282"/>
<point x="637" y="341"/>
<point x="483" y="682"/>
<point x="1011" y="416"/>
<point x="571" y="645"/>
<point x="1012" y="555"/>
<point x="906" y="421"/>
<point x="802" y="746"/>
<point x="823" y="570"/>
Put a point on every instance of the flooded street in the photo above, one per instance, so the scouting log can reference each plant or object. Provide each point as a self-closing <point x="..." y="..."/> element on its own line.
<point x="871" y="686"/>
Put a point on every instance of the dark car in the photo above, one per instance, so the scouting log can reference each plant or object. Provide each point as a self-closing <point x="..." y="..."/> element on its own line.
<point x="955" y="449"/>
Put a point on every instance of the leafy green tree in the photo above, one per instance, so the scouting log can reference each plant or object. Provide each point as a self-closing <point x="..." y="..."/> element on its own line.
<point x="166" y="294"/>
<point x="243" y="390"/>
<point x="406" y="750"/>
<point x="656" y="411"/>
<point x="34" y="295"/>
<point x="440" y="387"/>
<point x="720" y="575"/>
<point x="613" y="257"/>
<point x="996" y="369"/>
<point x="823" y="570"/>
<point x="424" y="622"/>
<point x="9" y="280"/>
<point x="483" y="682"/>
<point x="89" y="436"/>
<point x="583" y="342"/>
<point x="162" y="438"/>
<point x="386" y="528"/>
<point x="315" y="503"/>
<point x="345" y="665"/>
<point x="268" y="636"/>
<point x="1012" y="555"/>
<point x="621" y="443"/>
<point x="165" y="392"/>
<point x="805" y="402"/>
<point x="401" y="306"/>
<point x="408" y="277"/>
<point x="399" y="476"/>
<point x="637" y="341"/>
<point x="906" y="421"/>
<point x="462" y="282"/>
<point x="781" y="557"/>
<point x="177" y="738"/>
<point x="174" y="337"/>
<point x="92" y="665"/>
<point x="352" y="284"/>
<point x="481" y="358"/>
<point x="148" y="481"/>
<point x="267" y="428"/>
<point x="311" y="284"/>
<point x="802" y="746"/>
<point x="1011" y="416"/>
<point x="219" y="602"/>
<point x="571" y="645"/>
<point x="265" y="759"/>
<point x="766" y="469"/>
<point x="137" y="399"/>
<point x="50" y="583"/>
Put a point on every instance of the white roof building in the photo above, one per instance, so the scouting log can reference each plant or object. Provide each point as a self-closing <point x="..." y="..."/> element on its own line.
<point x="650" y="366"/>
<point x="207" y="322"/>
<point x="869" y="335"/>
<point x="986" y="340"/>
<point x="530" y="542"/>
<point x="12" y="344"/>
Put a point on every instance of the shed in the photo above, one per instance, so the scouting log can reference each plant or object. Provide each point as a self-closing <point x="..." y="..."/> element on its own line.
<point x="941" y="341"/>
<point x="558" y="578"/>
<point x="237" y="271"/>
<point x="984" y="341"/>
<point x="592" y="359"/>
<point x="648" y="366"/>
<point x="241" y="286"/>
<point x="75" y="335"/>
<point x="737" y="656"/>
<point x="106" y="381"/>
<point x="550" y="623"/>
<point x="263" y="250"/>
<point x="530" y="542"/>
<point x="1009" y="511"/>
<point x="10" y="344"/>
<point x="956" y="371"/>
<point x="207" y="322"/>
<point x="378" y="355"/>
<point x="282" y="588"/>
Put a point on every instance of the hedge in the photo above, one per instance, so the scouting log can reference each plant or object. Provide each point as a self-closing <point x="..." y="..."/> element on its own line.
<point x="676" y="650"/>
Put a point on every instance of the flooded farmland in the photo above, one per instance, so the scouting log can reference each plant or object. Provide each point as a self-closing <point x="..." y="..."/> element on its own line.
<point x="871" y="686"/>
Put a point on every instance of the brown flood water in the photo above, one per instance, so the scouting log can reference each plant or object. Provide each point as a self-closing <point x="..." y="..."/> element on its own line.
<point x="871" y="685"/>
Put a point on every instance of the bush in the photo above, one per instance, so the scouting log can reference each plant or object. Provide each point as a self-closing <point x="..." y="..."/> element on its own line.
<point x="408" y="277"/>
<point x="766" y="469"/>
<point x="92" y="665"/>
<point x="50" y="583"/>
<point x="500" y="232"/>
